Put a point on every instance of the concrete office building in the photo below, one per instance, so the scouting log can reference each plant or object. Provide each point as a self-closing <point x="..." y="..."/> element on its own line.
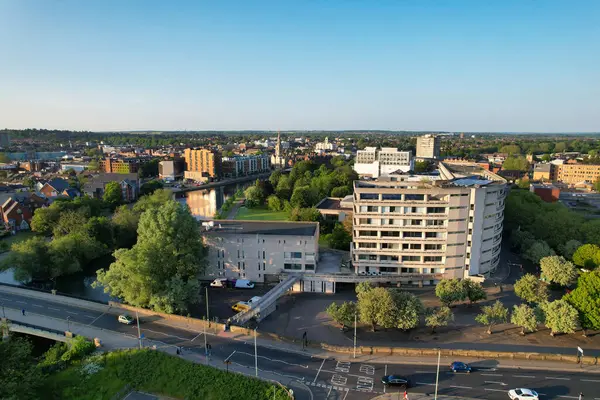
<point x="428" y="146"/>
<point x="202" y="164"/>
<point x="423" y="231"/>
<point x="374" y="163"/>
<point x="260" y="251"/>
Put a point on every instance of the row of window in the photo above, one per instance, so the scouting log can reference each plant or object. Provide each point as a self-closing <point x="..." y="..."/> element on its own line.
<point x="297" y="267"/>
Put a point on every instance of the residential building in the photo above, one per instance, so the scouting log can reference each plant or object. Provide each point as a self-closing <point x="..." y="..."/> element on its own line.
<point x="54" y="187"/>
<point x="120" y="165"/>
<point x="447" y="227"/>
<point x="171" y="169"/>
<point x="202" y="164"/>
<point x="374" y="163"/>
<point x="577" y="173"/>
<point x="245" y="165"/>
<point x="428" y="146"/>
<point x="130" y="185"/>
<point x="548" y="193"/>
<point x="16" y="216"/>
<point x="543" y="172"/>
<point x="260" y="250"/>
<point x="77" y="167"/>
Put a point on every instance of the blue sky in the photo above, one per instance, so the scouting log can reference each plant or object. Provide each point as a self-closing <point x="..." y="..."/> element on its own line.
<point x="315" y="64"/>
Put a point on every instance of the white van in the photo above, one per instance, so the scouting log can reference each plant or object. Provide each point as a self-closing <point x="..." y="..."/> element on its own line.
<point x="244" y="284"/>
<point x="219" y="283"/>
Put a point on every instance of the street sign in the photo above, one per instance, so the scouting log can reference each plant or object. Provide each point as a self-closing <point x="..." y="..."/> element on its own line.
<point x="579" y="349"/>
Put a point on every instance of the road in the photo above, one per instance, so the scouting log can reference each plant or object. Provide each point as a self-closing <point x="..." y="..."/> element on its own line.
<point x="331" y="378"/>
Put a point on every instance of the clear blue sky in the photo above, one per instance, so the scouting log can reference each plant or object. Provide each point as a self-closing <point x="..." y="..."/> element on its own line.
<point x="478" y="65"/>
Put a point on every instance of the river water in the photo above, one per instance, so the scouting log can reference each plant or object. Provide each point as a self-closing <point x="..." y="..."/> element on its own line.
<point x="203" y="205"/>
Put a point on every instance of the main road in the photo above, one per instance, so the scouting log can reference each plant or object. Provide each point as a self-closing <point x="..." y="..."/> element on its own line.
<point x="329" y="378"/>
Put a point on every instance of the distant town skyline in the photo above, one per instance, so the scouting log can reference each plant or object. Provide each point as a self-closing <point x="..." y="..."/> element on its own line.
<point x="463" y="66"/>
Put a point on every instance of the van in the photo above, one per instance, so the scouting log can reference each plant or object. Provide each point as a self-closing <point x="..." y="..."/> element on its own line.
<point x="219" y="283"/>
<point x="244" y="284"/>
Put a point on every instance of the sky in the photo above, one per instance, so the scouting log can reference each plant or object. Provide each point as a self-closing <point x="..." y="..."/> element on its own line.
<point x="484" y="66"/>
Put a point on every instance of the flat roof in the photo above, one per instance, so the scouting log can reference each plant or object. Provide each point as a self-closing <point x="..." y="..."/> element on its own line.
<point x="332" y="204"/>
<point x="262" y="228"/>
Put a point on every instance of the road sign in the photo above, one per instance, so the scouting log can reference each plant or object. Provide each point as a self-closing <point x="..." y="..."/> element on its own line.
<point x="579" y="349"/>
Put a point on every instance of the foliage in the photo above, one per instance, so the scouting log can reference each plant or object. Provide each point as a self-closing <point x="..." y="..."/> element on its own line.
<point x="254" y="197"/>
<point x="558" y="270"/>
<point x="492" y="315"/>
<point x="302" y="197"/>
<point x="450" y="291"/>
<point x="510" y="149"/>
<point x="531" y="289"/>
<point x="113" y="194"/>
<point x="586" y="299"/>
<point x="407" y="311"/>
<point x="473" y="291"/>
<point x="79" y="347"/>
<point x="54" y="354"/>
<point x="19" y="376"/>
<point x="340" y="191"/>
<point x="149" y="169"/>
<point x="125" y="222"/>
<point x="339" y="238"/>
<point x="538" y="250"/>
<point x="29" y="259"/>
<point x="436" y="317"/>
<point x="150" y="187"/>
<point x="422" y="166"/>
<point x="587" y="256"/>
<point x="343" y="314"/>
<point x="305" y="214"/>
<point x="154" y="200"/>
<point x="4" y="159"/>
<point x="515" y="163"/>
<point x="375" y="306"/>
<point x="70" y="221"/>
<point x="161" y="270"/>
<point x="525" y="317"/>
<point x="561" y="317"/>
<point x="568" y="249"/>
<point x="44" y="219"/>
<point x="274" y="204"/>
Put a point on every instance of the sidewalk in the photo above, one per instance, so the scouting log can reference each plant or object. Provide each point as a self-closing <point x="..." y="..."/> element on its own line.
<point x="417" y="396"/>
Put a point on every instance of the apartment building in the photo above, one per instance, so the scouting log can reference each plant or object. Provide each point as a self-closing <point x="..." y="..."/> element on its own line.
<point x="245" y="165"/>
<point x="374" y="163"/>
<point x="120" y="165"/>
<point x="260" y="250"/>
<point x="202" y="164"/>
<point x="424" y="230"/>
<point x="171" y="169"/>
<point x="543" y="172"/>
<point x="577" y="173"/>
<point x="428" y="146"/>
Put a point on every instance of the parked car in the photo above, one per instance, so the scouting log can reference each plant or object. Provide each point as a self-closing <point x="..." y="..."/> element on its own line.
<point x="240" y="306"/>
<point x="219" y="283"/>
<point x="458" y="366"/>
<point x="125" y="319"/>
<point x="396" y="380"/>
<point x="243" y="284"/>
<point x="523" y="394"/>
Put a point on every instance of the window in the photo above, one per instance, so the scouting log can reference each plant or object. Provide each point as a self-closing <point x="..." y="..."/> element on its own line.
<point x="435" y="222"/>
<point x="367" y="233"/>
<point x="409" y="234"/>
<point x="369" y="196"/>
<point x="390" y="234"/>
<point x="456" y="256"/>
<point x="309" y="267"/>
<point x="436" y="210"/>
<point x="391" y="196"/>
<point x="411" y="246"/>
<point x="388" y="258"/>
<point x="414" y="197"/>
<point x="411" y="258"/>
<point x="456" y="233"/>
<point x="458" y="208"/>
<point x="295" y="267"/>
<point x="367" y="245"/>
<point x="416" y="222"/>
<point x="433" y="247"/>
<point x="293" y="254"/>
<point x="431" y="235"/>
<point x="432" y="259"/>
<point x="362" y="257"/>
<point x="264" y="265"/>
<point x="264" y="255"/>
<point x="388" y="269"/>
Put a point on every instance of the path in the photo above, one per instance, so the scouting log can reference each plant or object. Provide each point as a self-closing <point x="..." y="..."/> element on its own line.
<point x="234" y="209"/>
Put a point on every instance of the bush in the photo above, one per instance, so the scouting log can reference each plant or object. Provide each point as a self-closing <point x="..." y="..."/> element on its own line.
<point x="79" y="347"/>
<point x="54" y="354"/>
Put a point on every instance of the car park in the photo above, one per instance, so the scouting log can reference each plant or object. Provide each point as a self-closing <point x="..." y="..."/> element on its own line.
<point x="523" y="394"/>
<point x="396" y="380"/>
<point x="125" y="319"/>
<point x="458" y="366"/>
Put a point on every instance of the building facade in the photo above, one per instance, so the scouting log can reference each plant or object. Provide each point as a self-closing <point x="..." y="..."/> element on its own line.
<point x="129" y="183"/>
<point x="203" y="163"/>
<point x="245" y="165"/>
<point x="260" y="251"/>
<point x="577" y="173"/>
<point x="428" y="146"/>
<point x="171" y="169"/>
<point x="120" y="165"/>
<point x="543" y="172"/>
<point x="446" y="228"/>
<point x="374" y="163"/>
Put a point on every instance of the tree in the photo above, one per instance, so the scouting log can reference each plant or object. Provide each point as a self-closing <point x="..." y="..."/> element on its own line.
<point x="561" y="317"/>
<point x="436" y="317"/>
<point x="254" y="197"/>
<point x="150" y="187"/>
<point x="339" y="238"/>
<point x="473" y="290"/>
<point x="408" y="309"/>
<point x="558" y="270"/>
<point x="492" y="315"/>
<point x="422" y="166"/>
<point x="161" y="270"/>
<point x="530" y="289"/>
<point x="568" y="249"/>
<point x="113" y="194"/>
<point x="586" y="299"/>
<point x="546" y="158"/>
<point x="125" y="222"/>
<point x="70" y="221"/>
<point x="525" y="317"/>
<point x="149" y="169"/>
<point x="29" y="182"/>
<point x="375" y="306"/>
<point x="93" y="165"/>
<point x="538" y="250"/>
<point x="515" y="163"/>
<point x="340" y="191"/>
<point x="19" y="376"/>
<point x="44" y="219"/>
<point x="29" y="259"/>
<point x="274" y="203"/>
<point x="343" y="314"/>
<point x="510" y="149"/>
<point x="587" y="256"/>
<point x="284" y="188"/>
<point x="301" y="197"/>
<point x="68" y="253"/>
<point x="274" y="178"/>
<point x="156" y="199"/>
<point x="450" y="291"/>
<point x="101" y="229"/>
<point x="305" y="214"/>
<point x="560" y="147"/>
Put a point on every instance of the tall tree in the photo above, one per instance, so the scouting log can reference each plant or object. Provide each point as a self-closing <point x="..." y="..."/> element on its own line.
<point x="343" y="314"/>
<point x="587" y="256"/>
<point x="586" y="299"/>
<point x="538" y="250"/>
<point x="558" y="270"/>
<point x="450" y="291"/>
<point x="568" y="249"/>
<point x="492" y="315"/>
<point x="473" y="291"/>
<point x="525" y="317"/>
<point x="436" y="317"/>
<point x="375" y="307"/>
<point x="530" y="289"/>
<point x="408" y="309"/>
<point x="113" y="194"/>
<point x="161" y="271"/>
<point x="29" y="259"/>
<point x="19" y="376"/>
<point x="125" y="222"/>
<point x="561" y="317"/>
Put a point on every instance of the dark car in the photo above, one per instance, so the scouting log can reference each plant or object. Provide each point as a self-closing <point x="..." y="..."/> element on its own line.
<point x="396" y="380"/>
<point x="458" y="366"/>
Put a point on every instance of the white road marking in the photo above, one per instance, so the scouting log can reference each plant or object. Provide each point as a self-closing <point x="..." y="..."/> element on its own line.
<point x="347" y="391"/>
<point x="385" y="374"/>
<point x="37" y="305"/>
<point x="367" y="369"/>
<point x="494" y="390"/>
<point x="364" y="383"/>
<point x="524" y="376"/>
<point x="560" y="379"/>
<point x="498" y="383"/>
<point x="162" y="333"/>
<point x="589" y="380"/>
<point x="272" y="359"/>
<point x="53" y="309"/>
<point x="270" y="372"/>
<point x="3" y="299"/>
<point x="328" y="393"/>
<point x="339" y="380"/>
<point x="342" y="366"/>
<point x="425" y="383"/>
<point x="196" y="337"/>
<point x="319" y="371"/>
<point x="424" y="372"/>
<point x="461" y="387"/>
<point x="71" y="312"/>
<point x="569" y="397"/>
<point x="21" y="302"/>
<point x="88" y="316"/>
<point x="491" y="374"/>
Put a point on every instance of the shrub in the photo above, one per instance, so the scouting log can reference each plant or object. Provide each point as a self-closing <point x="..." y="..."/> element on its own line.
<point x="79" y="347"/>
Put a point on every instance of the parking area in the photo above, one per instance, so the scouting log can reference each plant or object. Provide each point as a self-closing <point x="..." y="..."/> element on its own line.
<point x="220" y="301"/>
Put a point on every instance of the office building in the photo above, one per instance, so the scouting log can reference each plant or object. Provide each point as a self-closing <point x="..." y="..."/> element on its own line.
<point x="120" y="165"/>
<point x="374" y="163"/>
<point x="425" y="230"/>
<point x="428" y="146"/>
<point x="577" y="173"/>
<point x="202" y="164"/>
<point x="171" y="170"/>
<point x="260" y="250"/>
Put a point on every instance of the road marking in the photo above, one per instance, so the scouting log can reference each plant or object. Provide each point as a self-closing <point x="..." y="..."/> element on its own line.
<point x="21" y="302"/>
<point x="37" y="305"/>
<point x="71" y="312"/>
<point x="342" y="366"/>
<point x="272" y="359"/>
<point x="524" y="376"/>
<point x="269" y="372"/>
<point x="319" y="371"/>
<point x="196" y="337"/>
<point x="589" y="380"/>
<point x="568" y="397"/>
<point x="494" y="390"/>
<point x="347" y="391"/>
<point x="339" y="380"/>
<point x="53" y="309"/>
<point x="385" y="374"/>
<point x="424" y="372"/>
<point x="491" y="374"/>
<point x="161" y="333"/>
<point x="498" y="383"/>
<point x="367" y="369"/>
<point x="364" y="383"/>
<point x="425" y="383"/>
<point x="461" y="387"/>
<point x="557" y="378"/>
<point x="96" y="319"/>
<point x="328" y="393"/>
<point x="88" y="316"/>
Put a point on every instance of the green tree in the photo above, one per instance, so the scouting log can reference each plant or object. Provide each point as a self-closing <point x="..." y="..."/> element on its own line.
<point x="510" y="149"/>
<point x="408" y="309"/>
<point x="29" y="259"/>
<point x="568" y="249"/>
<point x="161" y="271"/>
<point x="150" y="187"/>
<point x="254" y="197"/>
<point x="546" y="158"/>
<point x="19" y="376"/>
<point x="375" y="306"/>
<point x="340" y="191"/>
<point x="525" y="317"/>
<point x="436" y="317"/>
<point x="342" y="314"/>
<point x="538" y="250"/>
<point x="450" y="291"/>
<point x="93" y="165"/>
<point x="274" y="178"/>
<point x="301" y="197"/>
<point x="561" y="317"/>
<point x="530" y="289"/>
<point x="422" y="166"/>
<point x="473" y="290"/>
<point x="515" y="163"/>
<point x="68" y="253"/>
<point x="101" y="229"/>
<point x="492" y="315"/>
<point x="339" y="238"/>
<point x="587" y="256"/>
<point x="149" y="169"/>
<point x="586" y="299"/>
<point x="45" y="219"/>
<point x="154" y="200"/>
<point x="560" y="147"/>
<point x="70" y="221"/>
<point x="113" y="194"/>
<point x="284" y="188"/>
<point x="29" y="182"/>
<point x="274" y="203"/>
<point x="558" y="270"/>
<point x="4" y="159"/>
<point x="125" y="222"/>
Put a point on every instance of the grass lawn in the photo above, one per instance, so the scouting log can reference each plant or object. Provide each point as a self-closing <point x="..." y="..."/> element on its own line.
<point x="19" y="237"/>
<point x="260" y="214"/>
<point x="154" y="372"/>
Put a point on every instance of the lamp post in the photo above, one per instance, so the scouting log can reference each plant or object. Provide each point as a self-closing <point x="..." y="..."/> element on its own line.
<point x="355" y="317"/>
<point x="255" y="355"/>
<point x="68" y="323"/>
<point x="3" y="313"/>
<point x="437" y="374"/>
<point x="137" y="315"/>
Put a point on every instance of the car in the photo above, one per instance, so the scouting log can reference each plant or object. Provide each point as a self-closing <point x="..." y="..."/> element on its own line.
<point x="125" y="319"/>
<point x="458" y="366"/>
<point x="523" y="394"/>
<point x="241" y="306"/>
<point x="396" y="380"/>
<point x="219" y="283"/>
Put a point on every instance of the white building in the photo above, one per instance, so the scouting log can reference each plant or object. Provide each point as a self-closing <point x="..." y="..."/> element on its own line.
<point x="425" y="231"/>
<point x="325" y="146"/>
<point x="374" y="163"/>
<point x="428" y="146"/>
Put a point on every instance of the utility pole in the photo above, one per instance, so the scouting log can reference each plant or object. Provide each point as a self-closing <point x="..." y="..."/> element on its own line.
<point x="137" y="315"/>
<point x="255" y="355"/>
<point x="355" y="318"/>
<point x="3" y="313"/>
<point x="437" y="375"/>
<point x="68" y="321"/>
<point x="207" y="316"/>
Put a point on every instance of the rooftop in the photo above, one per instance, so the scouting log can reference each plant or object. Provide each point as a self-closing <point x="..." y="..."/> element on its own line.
<point x="260" y="227"/>
<point x="331" y="203"/>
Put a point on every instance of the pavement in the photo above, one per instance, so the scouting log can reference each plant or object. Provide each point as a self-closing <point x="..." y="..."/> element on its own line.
<point x="313" y="373"/>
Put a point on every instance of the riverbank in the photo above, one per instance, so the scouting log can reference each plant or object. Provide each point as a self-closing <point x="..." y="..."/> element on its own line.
<point x="224" y="182"/>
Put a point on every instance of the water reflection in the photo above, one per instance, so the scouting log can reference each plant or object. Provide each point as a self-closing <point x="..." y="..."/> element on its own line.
<point x="206" y="202"/>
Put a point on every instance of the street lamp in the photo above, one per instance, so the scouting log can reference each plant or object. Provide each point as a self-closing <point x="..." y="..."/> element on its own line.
<point x="437" y="375"/>
<point x="3" y="313"/>
<point x="355" y="317"/>
<point x="255" y="354"/>
<point x="68" y="323"/>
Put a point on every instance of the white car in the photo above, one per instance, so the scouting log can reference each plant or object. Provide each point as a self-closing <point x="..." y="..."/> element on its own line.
<point x="523" y="394"/>
<point x="125" y="319"/>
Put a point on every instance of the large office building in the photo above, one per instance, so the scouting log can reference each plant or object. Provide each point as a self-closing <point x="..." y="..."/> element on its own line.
<point x="428" y="146"/>
<point x="576" y="173"/>
<point x="260" y="251"/>
<point x="374" y="163"/>
<point x="202" y="164"/>
<point x="120" y="165"/>
<point x="422" y="230"/>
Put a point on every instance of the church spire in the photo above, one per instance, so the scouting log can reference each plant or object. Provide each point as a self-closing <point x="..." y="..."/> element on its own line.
<point x="278" y="147"/>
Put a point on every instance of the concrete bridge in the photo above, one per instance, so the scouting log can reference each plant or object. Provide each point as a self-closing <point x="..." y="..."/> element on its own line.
<point x="40" y="331"/>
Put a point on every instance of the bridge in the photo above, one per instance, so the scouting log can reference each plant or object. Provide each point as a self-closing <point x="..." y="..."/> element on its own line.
<point x="40" y="331"/>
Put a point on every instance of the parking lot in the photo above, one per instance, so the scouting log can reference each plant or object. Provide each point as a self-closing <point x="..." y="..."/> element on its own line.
<point x="221" y="300"/>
